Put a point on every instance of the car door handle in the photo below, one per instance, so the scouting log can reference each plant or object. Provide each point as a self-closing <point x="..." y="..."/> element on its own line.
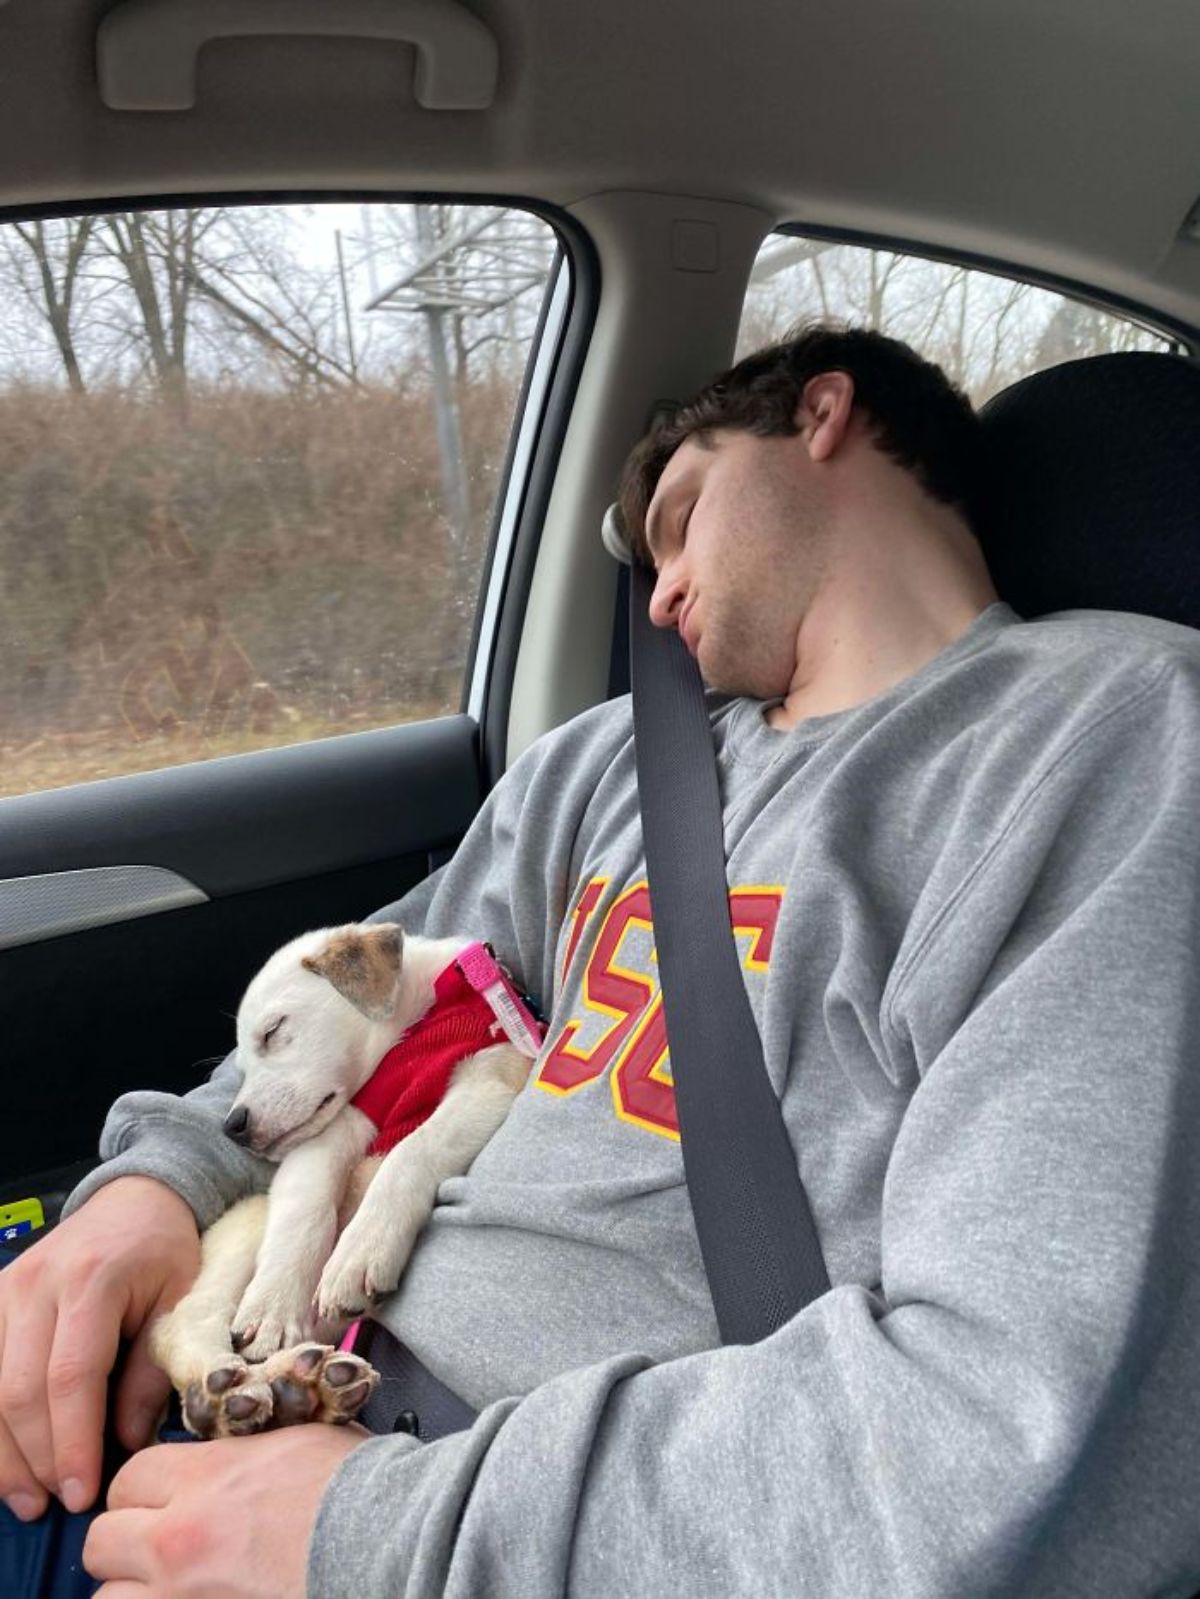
<point x="146" y="49"/>
<point x="53" y="903"/>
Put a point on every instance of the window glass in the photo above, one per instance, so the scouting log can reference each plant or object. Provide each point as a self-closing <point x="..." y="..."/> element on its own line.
<point x="983" y="330"/>
<point x="248" y="463"/>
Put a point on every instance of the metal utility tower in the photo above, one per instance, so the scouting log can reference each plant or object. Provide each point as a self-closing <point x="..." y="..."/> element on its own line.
<point x="482" y="267"/>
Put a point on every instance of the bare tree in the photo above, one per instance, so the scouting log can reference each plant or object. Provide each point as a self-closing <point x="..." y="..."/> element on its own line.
<point x="44" y="260"/>
<point x="291" y="316"/>
<point x="168" y="297"/>
<point x="984" y="330"/>
<point x="1076" y="330"/>
<point x="219" y="290"/>
<point x="215" y="293"/>
<point x="156" y="252"/>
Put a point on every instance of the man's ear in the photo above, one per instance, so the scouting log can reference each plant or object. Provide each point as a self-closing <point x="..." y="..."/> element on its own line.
<point x="363" y="964"/>
<point x="824" y="413"/>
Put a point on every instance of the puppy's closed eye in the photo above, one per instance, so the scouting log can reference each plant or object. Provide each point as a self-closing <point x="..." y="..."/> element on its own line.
<point x="270" y="1032"/>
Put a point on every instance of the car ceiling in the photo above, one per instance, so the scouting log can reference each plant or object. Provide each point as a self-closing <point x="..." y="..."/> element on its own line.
<point x="1056" y="136"/>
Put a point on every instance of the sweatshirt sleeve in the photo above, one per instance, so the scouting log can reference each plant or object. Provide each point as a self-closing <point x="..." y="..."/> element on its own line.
<point x="178" y="1139"/>
<point x="1011" y="1410"/>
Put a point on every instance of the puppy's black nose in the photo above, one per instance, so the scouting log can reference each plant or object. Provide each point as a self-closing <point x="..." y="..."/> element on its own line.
<point x="237" y="1124"/>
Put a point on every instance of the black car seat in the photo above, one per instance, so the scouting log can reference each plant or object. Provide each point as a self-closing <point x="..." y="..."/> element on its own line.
<point x="1091" y="488"/>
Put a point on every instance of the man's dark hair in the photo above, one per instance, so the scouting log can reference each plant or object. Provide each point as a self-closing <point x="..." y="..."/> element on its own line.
<point x="916" y="414"/>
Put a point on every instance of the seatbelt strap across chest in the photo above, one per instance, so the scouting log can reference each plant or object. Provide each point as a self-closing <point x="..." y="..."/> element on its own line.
<point x="757" y="1237"/>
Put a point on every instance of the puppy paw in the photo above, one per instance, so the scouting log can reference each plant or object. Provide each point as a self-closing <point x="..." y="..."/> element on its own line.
<point x="365" y="1265"/>
<point x="264" y="1324"/>
<point x="225" y="1403"/>
<point x="312" y="1382"/>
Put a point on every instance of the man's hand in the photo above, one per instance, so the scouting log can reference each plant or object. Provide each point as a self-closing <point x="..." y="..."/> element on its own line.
<point x="233" y="1518"/>
<point x="106" y="1272"/>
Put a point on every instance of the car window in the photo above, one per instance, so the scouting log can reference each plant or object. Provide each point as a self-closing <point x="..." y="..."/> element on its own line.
<point x="249" y="457"/>
<point x="985" y="331"/>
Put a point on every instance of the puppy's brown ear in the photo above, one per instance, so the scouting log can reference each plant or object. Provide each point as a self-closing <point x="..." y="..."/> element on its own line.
<point x="363" y="964"/>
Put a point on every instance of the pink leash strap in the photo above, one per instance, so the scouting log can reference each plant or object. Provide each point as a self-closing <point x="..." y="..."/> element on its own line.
<point x="489" y="979"/>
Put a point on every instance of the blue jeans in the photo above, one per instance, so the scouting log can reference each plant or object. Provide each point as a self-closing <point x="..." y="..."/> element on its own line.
<point x="44" y="1559"/>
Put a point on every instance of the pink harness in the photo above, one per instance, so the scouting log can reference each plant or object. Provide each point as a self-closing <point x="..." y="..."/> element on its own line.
<point x="475" y="1005"/>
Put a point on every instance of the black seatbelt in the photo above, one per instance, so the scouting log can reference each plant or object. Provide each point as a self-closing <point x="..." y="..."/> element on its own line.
<point x="618" y="660"/>
<point x="757" y="1237"/>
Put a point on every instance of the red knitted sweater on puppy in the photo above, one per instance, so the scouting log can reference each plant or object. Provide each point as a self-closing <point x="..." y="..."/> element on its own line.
<point x="408" y="1084"/>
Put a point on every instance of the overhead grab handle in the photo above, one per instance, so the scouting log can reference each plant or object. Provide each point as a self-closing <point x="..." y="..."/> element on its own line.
<point x="146" y="49"/>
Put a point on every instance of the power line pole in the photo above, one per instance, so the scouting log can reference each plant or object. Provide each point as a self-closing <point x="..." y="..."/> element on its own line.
<point x="449" y="431"/>
<point x="341" y="259"/>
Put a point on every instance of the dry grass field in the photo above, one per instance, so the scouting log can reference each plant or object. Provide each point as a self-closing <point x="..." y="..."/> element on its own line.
<point x="255" y="570"/>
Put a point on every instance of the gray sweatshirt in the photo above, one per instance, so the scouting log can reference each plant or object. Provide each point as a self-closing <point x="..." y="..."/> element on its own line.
<point x="967" y="913"/>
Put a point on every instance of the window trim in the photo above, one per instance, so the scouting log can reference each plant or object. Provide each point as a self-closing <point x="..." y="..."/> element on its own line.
<point x="523" y="439"/>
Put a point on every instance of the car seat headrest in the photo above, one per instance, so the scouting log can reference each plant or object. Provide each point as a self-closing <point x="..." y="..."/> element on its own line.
<point x="1090" y="495"/>
<point x="612" y="536"/>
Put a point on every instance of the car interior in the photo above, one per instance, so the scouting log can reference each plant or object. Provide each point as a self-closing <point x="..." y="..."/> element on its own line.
<point x="267" y="640"/>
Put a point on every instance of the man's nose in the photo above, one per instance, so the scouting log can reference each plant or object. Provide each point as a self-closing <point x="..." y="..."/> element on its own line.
<point x="237" y="1125"/>
<point x="666" y="602"/>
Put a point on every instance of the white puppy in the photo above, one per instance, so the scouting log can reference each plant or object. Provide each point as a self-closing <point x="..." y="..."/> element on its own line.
<point x="314" y="1025"/>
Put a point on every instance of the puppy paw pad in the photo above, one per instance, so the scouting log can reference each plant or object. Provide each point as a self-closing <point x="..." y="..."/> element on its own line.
<point x="225" y="1405"/>
<point x="223" y="1378"/>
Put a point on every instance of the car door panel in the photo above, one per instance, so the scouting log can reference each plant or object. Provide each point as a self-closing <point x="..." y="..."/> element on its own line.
<point x="269" y="844"/>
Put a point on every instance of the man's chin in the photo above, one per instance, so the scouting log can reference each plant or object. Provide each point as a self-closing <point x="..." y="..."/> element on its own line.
<point x="739" y="685"/>
<point x="736" y="667"/>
